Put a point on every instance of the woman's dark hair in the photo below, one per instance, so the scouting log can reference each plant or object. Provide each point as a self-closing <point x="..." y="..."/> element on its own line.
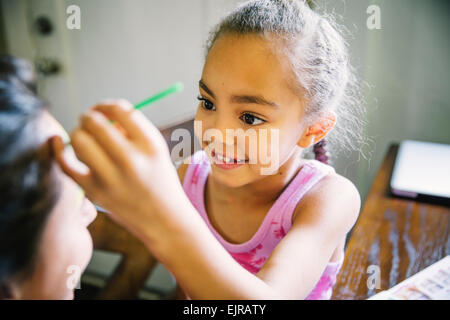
<point x="19" y="68"/>
<point x="27" y="186"/>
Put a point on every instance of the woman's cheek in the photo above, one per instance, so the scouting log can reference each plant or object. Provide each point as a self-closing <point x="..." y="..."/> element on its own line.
<point x="67" y="255"/>
<point x="80" y="245"/>
<point x="86" y="248"/>
<point x="81" y="249"/>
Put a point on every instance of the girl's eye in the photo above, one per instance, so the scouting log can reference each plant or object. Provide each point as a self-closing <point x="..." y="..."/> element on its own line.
<point x="251" y="119"/>
<point x="208" y="105"/>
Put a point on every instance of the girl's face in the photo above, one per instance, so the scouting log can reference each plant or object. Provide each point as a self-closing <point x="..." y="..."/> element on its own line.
<point x="66" y="245"/>
<point x="245" y="85"/>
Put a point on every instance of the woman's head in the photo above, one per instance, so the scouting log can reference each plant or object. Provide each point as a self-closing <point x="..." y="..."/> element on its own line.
<point x="43" y="213"/>
<point x="284" y="52"/>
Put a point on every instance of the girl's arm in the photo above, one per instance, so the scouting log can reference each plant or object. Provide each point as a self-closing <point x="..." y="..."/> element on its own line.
<point x="132" y="176"/>
<point x="206" y="271"/>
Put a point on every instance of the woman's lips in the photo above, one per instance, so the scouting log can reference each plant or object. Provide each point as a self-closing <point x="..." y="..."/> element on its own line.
<point x="226" y="163"/>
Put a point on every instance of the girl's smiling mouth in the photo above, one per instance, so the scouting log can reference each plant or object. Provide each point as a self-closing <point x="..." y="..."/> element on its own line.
<point x="225" y="162"/>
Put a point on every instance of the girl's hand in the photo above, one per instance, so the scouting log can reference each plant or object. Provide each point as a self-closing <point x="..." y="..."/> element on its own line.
<point x="130" y="171"/>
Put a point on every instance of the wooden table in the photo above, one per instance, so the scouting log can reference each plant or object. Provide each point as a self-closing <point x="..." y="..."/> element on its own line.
<point x="400" y="236"/>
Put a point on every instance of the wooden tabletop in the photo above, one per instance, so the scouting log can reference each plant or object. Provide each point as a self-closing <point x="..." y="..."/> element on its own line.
<point x="400" y="236"/>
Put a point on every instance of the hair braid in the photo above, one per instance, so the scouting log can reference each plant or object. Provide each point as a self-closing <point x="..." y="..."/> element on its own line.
<point x="320" y="152"/>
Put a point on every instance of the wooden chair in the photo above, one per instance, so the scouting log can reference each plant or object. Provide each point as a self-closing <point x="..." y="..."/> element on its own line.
<point x="136" y="265"/>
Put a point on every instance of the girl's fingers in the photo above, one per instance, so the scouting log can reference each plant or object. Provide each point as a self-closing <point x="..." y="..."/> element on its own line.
<point x="81" y="177"/>
<point x="107" y="136"/>
<point x="94" y="157"/>
<point x="138" y="127"/>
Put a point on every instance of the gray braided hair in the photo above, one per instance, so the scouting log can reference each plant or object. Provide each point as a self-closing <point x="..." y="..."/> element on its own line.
<point x="318" y="57"/>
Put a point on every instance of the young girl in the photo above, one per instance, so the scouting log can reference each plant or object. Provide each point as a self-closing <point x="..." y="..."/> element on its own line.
<point x="239" y="234"/>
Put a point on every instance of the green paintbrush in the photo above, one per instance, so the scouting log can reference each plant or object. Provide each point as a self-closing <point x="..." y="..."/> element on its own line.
<point x="176" y="87"/>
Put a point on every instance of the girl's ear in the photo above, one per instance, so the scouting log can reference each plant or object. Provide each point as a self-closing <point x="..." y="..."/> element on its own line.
<point x="318" y="130"/>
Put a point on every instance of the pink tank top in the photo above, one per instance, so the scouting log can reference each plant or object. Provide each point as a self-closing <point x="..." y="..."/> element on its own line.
<point x="253" y="254"/>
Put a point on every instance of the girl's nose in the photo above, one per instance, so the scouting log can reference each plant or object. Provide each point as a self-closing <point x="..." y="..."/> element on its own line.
<point x="222" y="123"/>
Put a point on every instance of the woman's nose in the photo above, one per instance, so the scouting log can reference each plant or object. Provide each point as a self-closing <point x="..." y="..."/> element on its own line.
<point x="89" y="212"/>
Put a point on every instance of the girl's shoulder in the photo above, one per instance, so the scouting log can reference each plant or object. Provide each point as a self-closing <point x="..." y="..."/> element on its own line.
<point x="332" y="192"/>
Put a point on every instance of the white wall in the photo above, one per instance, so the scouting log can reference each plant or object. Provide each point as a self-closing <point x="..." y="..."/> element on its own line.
<point x="129" y="49"/>
<point x="407" y="63"/>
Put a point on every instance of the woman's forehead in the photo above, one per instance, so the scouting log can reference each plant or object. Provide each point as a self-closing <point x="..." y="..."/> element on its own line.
<point x="50" y="127"/>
